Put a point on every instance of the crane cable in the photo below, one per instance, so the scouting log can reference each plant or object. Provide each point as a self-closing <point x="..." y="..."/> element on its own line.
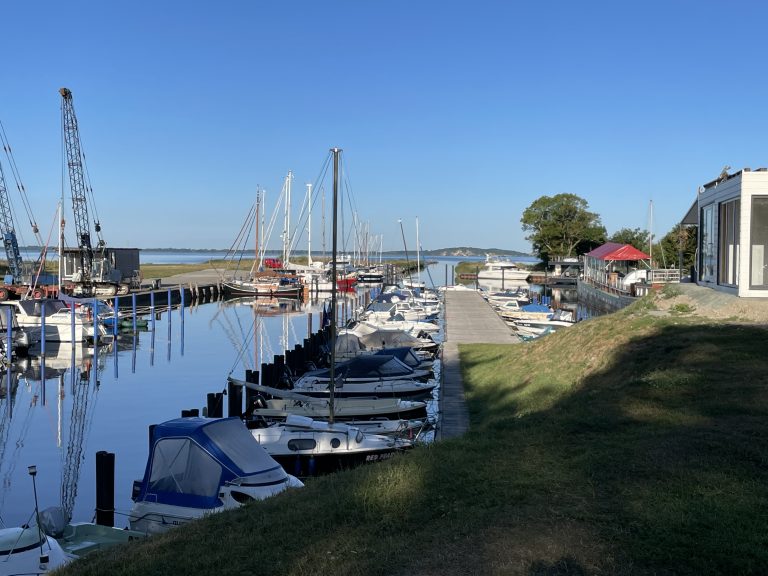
<point x="19" y="184"/>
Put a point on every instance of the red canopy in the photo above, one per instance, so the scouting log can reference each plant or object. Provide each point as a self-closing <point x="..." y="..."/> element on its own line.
<point x="616" y="251"/>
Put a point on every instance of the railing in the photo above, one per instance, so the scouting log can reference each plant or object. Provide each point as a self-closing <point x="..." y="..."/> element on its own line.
<point x="664" y="276"/>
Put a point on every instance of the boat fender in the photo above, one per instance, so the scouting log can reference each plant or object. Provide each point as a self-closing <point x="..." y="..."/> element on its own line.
<point x="260" y="401"/>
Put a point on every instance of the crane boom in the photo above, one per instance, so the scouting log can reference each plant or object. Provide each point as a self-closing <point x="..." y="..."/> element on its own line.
<point x="77" y="184"/>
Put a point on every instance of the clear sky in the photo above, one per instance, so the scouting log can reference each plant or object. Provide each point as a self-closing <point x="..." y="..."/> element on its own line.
<point x="458" y="113"/>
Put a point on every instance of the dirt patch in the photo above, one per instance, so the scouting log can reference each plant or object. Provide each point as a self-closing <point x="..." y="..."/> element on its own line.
<point x="706" y="302"/>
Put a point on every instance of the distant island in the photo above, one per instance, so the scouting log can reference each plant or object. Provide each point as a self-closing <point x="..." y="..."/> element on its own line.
<point x="460" y="251"/>
<point x="469" y="251"/>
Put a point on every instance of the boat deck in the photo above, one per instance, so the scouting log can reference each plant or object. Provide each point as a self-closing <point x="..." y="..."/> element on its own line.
<point x="468" y="320"/>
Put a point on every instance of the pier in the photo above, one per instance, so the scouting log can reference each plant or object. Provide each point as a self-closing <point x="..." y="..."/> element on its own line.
<point x="468" y="320"/>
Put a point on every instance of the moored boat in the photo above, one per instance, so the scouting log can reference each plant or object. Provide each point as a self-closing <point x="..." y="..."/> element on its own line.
<point x="199" y="466"/>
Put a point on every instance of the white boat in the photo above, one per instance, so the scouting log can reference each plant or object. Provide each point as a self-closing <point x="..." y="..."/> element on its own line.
<point x="498" y="269"/>
<point x="371" y="368"/>
<point x="57" y="315"/>
<point x="357" y="336"/>
<point x="528" y="312"/>
<point x="286" y="402"/>
<point x="305" y="446"/>
<point x="26" y="550"/>
<point x="533" y="328"/>
<point x="200" y="466"/>
<point x="397" y="322"/>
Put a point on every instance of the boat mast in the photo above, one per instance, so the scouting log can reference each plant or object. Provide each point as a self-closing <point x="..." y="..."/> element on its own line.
<point x="332" y="384"/>
<point x="256" y="264"/>
<point x="418" y="253"/>
<point x="287" y="225"/>
<point x="309" y="225"/>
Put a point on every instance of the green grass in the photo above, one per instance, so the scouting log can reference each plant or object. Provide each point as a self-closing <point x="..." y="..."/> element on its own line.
<point x="628" y="444"/>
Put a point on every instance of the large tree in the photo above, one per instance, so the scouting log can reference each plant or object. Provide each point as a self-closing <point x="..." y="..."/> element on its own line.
<point x="637" y="238"/>
<point x="562" y="226"/>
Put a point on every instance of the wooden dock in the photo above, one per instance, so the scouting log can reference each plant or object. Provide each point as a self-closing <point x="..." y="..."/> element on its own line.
<point x="468" y="320"/>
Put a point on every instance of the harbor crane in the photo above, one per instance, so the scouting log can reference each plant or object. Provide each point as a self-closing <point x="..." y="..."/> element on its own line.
<point x="20" y="280"/>
<point x="96" y="275"/>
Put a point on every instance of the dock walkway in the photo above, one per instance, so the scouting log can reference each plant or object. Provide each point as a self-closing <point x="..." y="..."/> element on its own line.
<point x="468" y="320"/>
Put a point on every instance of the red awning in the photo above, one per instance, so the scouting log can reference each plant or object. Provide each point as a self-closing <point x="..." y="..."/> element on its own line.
<point x="616" y="251"/>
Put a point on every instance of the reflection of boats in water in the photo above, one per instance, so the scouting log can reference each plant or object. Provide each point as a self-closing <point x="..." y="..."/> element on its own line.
<point x="60" y="357"/>
<point x="265" y="306"/>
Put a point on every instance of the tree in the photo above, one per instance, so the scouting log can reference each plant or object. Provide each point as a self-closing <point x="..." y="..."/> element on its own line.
<point x="637" y="238"/>
<point x="681" y="240"/>
<point x="561" y="226"/>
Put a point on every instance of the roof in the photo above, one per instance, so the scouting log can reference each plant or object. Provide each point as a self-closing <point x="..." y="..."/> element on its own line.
<point x="616" y="251"/>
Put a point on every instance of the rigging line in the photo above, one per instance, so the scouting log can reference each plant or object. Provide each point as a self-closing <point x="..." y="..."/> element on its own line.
<point x="19" y="184"/>
<point x="299" y="230"/>
<point x="246" y="343"/>
<point x="41" y="260"/>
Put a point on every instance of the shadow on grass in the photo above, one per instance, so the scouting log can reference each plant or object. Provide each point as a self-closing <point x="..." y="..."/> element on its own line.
<point x="653" y="464"/>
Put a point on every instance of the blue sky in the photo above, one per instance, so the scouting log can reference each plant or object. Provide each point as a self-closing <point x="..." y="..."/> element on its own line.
<point x="458" y="113"/>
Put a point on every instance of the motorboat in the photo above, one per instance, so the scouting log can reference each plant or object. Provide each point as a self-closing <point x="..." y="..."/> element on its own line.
<point x="286" y="402"/>
<point x="501" y="269"/>
<point x="20" y="338"/>
<point x="28" y="550"/>
<point x="357" y="337"/>
<point x="532" y="328"/>
<point x="371" y="368"/>
<point x="410" y="389"/>
<point x="64" y="321"/>
<point x="199" y="466"/>
<point x="397" y="322"/>
<point x="305" y="446"/>
<point x="528" y="312"/>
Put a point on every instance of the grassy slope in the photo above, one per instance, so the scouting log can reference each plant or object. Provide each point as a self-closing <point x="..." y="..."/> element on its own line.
<point x="629" y="444"/>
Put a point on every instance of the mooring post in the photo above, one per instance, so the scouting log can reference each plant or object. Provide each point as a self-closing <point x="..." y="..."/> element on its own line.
<point x="105" y="488"/>
<point x="115" y="319"/>
<point x="234" y="400"/>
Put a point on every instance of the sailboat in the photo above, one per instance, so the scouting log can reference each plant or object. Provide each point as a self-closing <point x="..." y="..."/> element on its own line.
<point x="259" y="282"/>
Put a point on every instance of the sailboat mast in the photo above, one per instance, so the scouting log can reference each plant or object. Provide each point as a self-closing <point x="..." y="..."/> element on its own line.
<point x="418" y="253"/>
<point x="256" y="235"/>
<point x="332" y="384"/>
<point x="309" y="225"/>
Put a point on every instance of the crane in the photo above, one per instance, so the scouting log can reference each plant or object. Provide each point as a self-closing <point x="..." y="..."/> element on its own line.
<point x="19" y="277"/>
<point x="96" y="274"/>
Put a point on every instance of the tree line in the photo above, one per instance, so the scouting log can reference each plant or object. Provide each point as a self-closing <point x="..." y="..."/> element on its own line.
<point x="562" y="226"/>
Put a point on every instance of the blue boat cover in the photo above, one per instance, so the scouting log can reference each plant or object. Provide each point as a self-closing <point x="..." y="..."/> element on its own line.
<point x="191" y="458"/>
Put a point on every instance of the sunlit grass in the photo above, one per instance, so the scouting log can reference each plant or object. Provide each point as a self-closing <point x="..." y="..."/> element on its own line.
<point x="628" y="444"/>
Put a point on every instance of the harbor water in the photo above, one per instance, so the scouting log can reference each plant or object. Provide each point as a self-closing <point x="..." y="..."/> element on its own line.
<point x="105" y="397"/>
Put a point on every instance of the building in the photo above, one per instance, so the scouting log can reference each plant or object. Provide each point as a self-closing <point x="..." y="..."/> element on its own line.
<point x="124" y="261"/>
<point x="731" y="213"/>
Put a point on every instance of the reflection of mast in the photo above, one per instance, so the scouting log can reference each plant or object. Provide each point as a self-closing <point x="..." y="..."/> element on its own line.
<point x="73" y="456"/>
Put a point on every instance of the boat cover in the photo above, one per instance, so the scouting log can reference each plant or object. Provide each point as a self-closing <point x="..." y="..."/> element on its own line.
<point x="374" y="339"/>
<point x="192" y="457"/>
<point x="405" y="354"/>
<point x="370" y="366"/>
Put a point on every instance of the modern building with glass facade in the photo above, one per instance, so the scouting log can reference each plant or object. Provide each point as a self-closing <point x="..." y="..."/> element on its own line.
<point x="732" y="215"/>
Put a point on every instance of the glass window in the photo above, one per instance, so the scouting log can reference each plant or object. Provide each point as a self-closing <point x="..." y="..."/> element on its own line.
<point x="707" y="248"/>
<point x="181" y="466"/>
<point x="758" y="244"/>
<point x="298" y="444"/>
<point x="729" y="242"/>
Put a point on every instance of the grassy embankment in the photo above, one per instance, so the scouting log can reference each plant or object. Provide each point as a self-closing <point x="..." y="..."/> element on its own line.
<point x="628" y="444"/>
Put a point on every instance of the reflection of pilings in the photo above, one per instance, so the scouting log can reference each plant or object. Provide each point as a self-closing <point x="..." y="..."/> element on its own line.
<point x="189" y="293"/>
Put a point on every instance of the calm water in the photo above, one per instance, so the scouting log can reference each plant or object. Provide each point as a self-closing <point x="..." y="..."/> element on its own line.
<point x="108" y="397"/>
